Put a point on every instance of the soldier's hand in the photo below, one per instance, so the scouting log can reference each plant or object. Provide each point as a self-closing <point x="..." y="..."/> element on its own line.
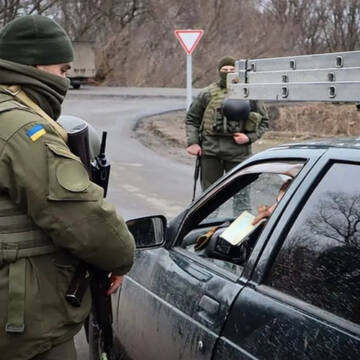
<point x="241" y="138"/>
<point x="115" y="283"/>
<point x="194" y="149"/>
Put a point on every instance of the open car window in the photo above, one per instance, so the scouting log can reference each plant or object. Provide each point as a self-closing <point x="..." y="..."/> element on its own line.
<point x="257" y="185"/>
<point x="262" y="191"/>
<point x="254" y="189"/>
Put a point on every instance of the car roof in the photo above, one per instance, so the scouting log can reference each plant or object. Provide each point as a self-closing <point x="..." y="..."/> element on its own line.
<point x="346" y="143"/>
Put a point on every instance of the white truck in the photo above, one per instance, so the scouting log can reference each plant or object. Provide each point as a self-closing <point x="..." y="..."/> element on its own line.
<point x="83" y="66"/>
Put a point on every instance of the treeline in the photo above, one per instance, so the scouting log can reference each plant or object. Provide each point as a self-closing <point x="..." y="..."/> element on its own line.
<point x="135" y="41"/>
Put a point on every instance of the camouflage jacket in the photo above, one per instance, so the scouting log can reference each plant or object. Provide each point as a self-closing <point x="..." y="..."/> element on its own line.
<point x="213" y="144"/>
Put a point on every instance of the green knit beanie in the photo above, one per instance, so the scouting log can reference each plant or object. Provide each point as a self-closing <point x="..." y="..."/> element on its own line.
<point x="226" y="60"/>
<point x="35" y="40"/>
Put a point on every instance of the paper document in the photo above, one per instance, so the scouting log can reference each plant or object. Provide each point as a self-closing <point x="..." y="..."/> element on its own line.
<point x="240" y="228"/>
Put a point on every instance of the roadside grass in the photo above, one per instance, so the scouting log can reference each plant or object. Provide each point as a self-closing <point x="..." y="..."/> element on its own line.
<point x="165" y="133"/>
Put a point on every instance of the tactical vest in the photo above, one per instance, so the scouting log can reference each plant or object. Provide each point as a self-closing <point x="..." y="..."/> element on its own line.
<point x="214" y="121"/>
<point x="20" y="239"/>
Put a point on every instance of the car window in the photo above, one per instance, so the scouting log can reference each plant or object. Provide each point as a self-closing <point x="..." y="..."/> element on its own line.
<point x="263" y="190"/>
<point x="319" y="261"/>
<point x="252" y="191"/>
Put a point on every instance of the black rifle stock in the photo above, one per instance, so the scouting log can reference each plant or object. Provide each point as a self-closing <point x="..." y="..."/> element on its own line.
<point x="197" y="163"/>
<point x="196" y="175"/>
<point x="85" y="275"/>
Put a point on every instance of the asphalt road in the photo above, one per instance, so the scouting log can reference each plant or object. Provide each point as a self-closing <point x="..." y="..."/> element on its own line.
<point x="142" y="182"/>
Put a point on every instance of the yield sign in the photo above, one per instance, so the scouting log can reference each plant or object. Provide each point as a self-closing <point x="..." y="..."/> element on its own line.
<point x="189" y="39"/>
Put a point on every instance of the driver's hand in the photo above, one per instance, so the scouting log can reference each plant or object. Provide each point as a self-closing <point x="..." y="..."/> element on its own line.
<point x="115" y="283"/>
<point x="194" y="149"/>
<point x="264" y="211"/>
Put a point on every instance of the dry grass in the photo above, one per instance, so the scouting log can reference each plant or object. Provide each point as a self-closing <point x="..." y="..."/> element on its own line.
<point x="291" y="123"/>
<point x="318" y="119"/>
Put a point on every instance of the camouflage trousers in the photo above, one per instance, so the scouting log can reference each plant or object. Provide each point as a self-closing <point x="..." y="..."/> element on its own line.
<point x="62" y="351"/>
<point x="212" y="169"/>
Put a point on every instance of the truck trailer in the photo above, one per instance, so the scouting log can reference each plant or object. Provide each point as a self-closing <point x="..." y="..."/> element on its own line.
<point x="83" y="67"/>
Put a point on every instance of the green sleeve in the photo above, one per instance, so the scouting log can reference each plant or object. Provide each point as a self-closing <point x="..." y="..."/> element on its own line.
<point x="51" y="183"/>
<point x="259" y="108"/>
<point x="194" y="117"/>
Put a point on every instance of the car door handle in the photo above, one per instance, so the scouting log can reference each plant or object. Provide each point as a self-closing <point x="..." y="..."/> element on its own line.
<point x="209" y="305"/>
<point x="197" y="273"/>
<point x="208" y="309"/>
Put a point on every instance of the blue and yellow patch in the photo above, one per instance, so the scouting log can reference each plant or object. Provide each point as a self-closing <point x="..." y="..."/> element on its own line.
<point x="36" y="132"/>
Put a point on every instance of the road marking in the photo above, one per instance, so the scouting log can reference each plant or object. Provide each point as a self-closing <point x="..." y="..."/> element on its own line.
<point x="165" y="206"/>
<point x="131" y="164"/>
<point x="131" y="188"/>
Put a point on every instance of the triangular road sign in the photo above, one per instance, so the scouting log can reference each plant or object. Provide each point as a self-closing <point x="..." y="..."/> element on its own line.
<point x="189" y="39"/>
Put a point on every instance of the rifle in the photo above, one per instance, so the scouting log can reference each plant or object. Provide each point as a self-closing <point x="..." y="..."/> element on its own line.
<point x="100" y="167"/>
<point x="85" y="274"/>
<point x="196" y="175"/>
<point x="197" y="162"/>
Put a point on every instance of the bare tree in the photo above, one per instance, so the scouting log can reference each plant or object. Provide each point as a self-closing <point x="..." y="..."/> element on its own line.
<point x="341" y="30"/>
<point x="135" y="40"/>
<point x="10" y="9"/>
<point x="337" y="219"/>
<point x="89" y="19"/>
<point x="310" y="26"/>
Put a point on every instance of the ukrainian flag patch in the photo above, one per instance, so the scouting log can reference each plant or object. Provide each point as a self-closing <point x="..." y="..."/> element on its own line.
<point x="36" y="132"/>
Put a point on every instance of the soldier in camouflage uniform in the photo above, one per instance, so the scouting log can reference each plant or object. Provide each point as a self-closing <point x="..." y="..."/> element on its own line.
<point x="51" y="215"/>
<point x="221" y="148"/>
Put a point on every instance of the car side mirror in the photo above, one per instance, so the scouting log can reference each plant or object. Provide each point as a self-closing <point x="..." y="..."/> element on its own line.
<point x="148" y="231"/>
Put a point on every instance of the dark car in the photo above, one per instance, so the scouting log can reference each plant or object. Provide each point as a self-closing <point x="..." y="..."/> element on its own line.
<point x="289" y="290"/>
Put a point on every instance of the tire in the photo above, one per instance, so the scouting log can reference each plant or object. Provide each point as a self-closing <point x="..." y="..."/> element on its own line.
<point x="76" y="86"/>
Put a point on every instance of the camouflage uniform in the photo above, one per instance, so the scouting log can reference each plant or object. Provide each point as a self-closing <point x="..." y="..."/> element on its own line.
<point x="219" y="150"/>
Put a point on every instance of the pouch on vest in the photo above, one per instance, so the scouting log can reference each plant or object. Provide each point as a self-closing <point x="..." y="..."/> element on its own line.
<point x="218" y="120"/>
<point x="68" y="178"/>
<point x="222" y="125"/>
<point x="252" y="123"/>
<point x="20" y="239"/>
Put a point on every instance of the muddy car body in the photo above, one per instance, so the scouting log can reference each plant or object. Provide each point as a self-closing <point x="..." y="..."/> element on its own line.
<point x="295" y="294"/>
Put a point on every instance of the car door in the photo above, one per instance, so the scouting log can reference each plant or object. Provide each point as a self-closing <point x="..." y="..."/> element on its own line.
<point x="173" y="304"/>
<point x="303" y="298"/>
<point x="175" y="301"/>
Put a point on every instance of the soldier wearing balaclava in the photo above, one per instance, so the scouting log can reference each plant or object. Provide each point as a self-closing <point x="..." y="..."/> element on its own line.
<point x="222" y="140"/>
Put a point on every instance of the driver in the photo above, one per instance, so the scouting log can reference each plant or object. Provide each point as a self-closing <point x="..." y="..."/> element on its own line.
<point x="212" y="245"/>
<point x="265" y="211"/>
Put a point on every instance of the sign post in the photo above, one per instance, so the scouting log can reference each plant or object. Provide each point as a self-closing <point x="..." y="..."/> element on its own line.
<point x="189" y="40"/>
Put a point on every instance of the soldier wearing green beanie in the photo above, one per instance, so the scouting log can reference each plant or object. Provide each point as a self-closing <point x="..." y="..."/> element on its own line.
<point x="52" y="216"/>
<point x="221" y="143"/>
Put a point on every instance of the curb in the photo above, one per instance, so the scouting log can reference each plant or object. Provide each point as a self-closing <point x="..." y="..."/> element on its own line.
<point x="132" y="92"/>
<point x="147" y="117"/>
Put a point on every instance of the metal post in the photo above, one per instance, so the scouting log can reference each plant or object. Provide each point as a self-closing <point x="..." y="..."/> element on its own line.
<point x="188" y="81"/>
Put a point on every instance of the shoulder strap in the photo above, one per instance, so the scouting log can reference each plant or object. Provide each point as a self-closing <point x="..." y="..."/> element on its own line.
<point x="20" y="95"/>
<point x="10" y="105"/>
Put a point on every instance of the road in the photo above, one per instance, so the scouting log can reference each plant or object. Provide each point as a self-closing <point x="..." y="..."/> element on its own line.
<point x="142" y="182"/>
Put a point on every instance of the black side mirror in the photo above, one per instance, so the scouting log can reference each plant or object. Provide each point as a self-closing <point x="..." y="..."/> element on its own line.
<point x="148" y="231"/>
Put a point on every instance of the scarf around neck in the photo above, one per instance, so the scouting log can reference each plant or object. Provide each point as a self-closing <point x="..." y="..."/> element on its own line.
<point x="45" y="89"/>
